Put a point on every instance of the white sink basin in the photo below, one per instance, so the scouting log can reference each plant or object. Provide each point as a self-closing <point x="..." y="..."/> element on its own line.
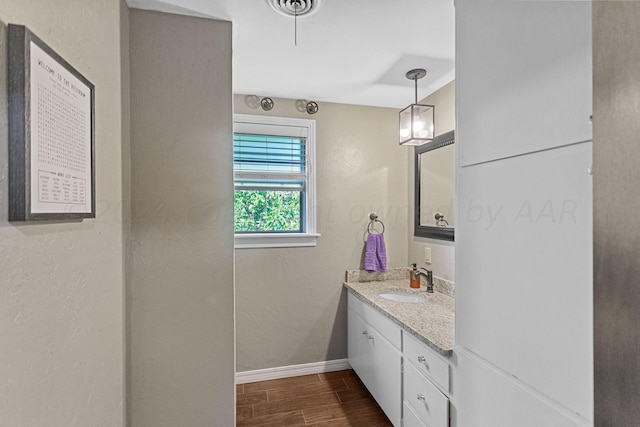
<point x="402" y="296"/>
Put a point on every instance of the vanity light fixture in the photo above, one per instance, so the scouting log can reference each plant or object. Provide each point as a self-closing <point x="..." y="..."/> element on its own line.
<point x="266" y="103"/>
<point x="417" y="120"/>
<point x="311" y="107"/>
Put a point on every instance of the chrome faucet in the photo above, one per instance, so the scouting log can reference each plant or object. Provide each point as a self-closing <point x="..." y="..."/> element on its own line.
<point x="428" y="275"/>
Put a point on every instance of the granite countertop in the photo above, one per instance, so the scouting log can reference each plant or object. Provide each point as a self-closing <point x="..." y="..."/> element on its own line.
<point x="431" y="321"/>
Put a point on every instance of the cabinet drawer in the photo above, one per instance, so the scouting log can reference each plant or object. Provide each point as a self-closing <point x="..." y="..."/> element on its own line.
<point x="410" y="418"/>
<point x="384" y="325"/>
<point x="426" y="361"/>
<point x="428" y="402"/>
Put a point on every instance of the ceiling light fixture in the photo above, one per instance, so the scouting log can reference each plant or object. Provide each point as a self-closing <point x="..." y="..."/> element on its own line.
<point x="417" y="120"/>
<point x="294" y="8"/>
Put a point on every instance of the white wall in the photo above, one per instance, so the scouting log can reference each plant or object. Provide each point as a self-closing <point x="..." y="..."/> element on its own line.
<point x="442" y="252"/>
<point x="181" y="297"/>
<point x="524" y="236"/>
<point x="61" y="284"/>
<point x="290" y="303"/>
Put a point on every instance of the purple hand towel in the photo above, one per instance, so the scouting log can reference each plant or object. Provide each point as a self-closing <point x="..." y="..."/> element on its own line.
<point x="375" y="253"/>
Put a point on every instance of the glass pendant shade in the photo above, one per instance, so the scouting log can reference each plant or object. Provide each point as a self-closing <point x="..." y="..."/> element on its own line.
<point x="417" y="124"/>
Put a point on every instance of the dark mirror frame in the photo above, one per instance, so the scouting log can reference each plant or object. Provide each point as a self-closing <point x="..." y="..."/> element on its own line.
<point x="432" y="232"/>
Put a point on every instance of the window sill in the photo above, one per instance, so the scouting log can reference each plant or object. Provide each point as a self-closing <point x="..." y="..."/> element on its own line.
<point x="292" y="240"/>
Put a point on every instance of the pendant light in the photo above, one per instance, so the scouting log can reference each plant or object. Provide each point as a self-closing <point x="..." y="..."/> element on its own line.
<point x="417" y="120"/>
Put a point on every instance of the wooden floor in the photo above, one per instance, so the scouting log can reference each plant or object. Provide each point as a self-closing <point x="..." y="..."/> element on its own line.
<point x="335" y="399"/>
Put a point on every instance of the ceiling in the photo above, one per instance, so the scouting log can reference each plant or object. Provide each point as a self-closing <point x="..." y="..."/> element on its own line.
<point x="348" y="51"/>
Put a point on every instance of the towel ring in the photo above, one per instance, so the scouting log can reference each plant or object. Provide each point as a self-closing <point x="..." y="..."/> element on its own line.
<point x="371" y="226"/>
<point x="440" y="221"/>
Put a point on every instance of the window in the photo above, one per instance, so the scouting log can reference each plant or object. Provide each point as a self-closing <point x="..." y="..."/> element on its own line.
<point x="273" y="166"/>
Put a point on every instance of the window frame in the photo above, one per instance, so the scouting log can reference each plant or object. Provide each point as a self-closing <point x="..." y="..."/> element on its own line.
<point x="272" y="125"/>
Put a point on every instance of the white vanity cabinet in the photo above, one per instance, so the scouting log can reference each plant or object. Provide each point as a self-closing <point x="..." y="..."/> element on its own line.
<point x="374" y="354"/>
<point x="408" y="379"/>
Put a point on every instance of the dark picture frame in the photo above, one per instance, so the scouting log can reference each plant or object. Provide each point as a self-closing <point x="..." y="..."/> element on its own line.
<point x="51" y="133"/>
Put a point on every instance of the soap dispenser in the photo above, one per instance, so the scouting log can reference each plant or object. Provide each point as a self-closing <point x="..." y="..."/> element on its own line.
<point x="414" y="279"/>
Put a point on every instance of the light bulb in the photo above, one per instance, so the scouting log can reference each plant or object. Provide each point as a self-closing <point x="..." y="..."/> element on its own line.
<point x="404" y="132"/>
<point x="417" y="125"/>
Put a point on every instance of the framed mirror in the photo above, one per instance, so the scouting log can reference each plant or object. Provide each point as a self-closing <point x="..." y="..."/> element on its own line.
<point x="435" y="188"/>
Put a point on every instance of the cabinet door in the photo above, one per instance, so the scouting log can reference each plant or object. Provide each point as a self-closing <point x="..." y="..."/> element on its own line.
<point x="357" y="350"/>
<point x="528" y="308"/>
<point x="486" y="397"/>
<point x="520" y="89"/>
<point x="378" y="364"/>
<point x="428" y="402"/>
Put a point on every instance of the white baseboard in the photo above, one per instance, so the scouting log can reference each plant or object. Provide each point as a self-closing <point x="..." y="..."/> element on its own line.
<point x="291" y="371"/>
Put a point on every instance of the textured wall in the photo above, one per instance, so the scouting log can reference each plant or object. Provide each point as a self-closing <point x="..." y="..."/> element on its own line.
<point x="290" y="304"/>
<point x="616" y="66"/>
<point x="61" y="284"/>
<point x="442" y="252"/>
<point x="181" y="326"/>
<point x="126" y="186"/>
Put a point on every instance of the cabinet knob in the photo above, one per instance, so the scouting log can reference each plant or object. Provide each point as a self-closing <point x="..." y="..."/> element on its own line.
<point x="421" y="398"/>
<point x="365" y="332"/>
<point x="421" y="359"/>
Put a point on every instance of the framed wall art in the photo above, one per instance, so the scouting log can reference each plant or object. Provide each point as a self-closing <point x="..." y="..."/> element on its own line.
<point x="51" y="133"/>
